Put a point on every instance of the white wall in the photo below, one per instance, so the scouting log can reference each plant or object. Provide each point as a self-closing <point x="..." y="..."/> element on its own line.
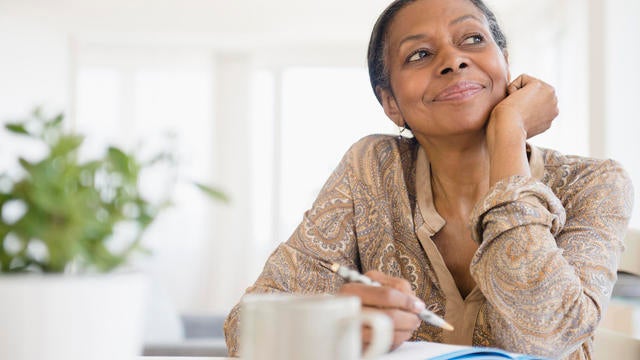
<point x="34" y="64"/>
<point x="621" y="91"/>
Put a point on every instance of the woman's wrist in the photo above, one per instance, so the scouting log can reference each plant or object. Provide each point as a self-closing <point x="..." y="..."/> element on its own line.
<point x="505" y="128"/>
<point x="506" y="141"/>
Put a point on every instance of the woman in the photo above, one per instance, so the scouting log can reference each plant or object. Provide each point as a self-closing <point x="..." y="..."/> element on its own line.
<point x="533" y="271"/>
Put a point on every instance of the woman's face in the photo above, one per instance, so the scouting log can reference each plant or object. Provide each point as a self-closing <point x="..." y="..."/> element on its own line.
<point x="446" y="71"/>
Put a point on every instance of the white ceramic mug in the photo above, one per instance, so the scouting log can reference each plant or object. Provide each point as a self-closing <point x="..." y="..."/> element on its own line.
<point x="315" y="327"/>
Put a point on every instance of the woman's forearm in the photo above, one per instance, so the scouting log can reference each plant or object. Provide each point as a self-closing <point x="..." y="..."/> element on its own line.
<point x="506" y="142"/>
<point x="547" y="280"/>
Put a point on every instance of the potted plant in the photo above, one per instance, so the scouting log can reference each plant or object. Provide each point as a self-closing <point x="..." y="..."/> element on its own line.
<point x="65" y="292"/>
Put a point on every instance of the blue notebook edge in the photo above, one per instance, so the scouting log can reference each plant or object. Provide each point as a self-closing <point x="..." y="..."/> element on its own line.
<point x="483" y="353"/>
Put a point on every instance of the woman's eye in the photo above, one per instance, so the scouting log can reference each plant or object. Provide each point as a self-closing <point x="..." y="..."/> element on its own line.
<point x="418" y="55"/>
<point x="473" y="39"/>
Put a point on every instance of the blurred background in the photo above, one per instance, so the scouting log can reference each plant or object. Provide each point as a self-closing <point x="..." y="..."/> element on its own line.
<point x="264" y="97"/>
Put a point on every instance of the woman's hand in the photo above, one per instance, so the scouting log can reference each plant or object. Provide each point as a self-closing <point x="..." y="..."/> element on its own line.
<point x="528" y="110"/>
<point x="394" y="298"/>
<point x="530" y="106"/>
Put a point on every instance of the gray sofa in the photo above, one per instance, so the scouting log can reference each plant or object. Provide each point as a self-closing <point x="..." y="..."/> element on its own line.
<point x="202" y="336"/>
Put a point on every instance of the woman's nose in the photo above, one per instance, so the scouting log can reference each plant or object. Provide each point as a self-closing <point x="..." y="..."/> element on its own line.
<point x="452" y="61"/>
<point x="448" y="69"/>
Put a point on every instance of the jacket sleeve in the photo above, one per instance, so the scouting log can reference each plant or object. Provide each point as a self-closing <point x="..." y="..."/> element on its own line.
<point x="326" y="232"/>
<point x="547" y="269"/>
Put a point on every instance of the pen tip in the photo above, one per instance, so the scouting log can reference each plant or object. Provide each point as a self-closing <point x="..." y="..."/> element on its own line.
<point x="447" y="326"/>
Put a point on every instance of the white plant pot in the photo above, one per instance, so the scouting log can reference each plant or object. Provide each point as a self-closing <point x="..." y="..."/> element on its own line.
<point x="80" y="317"/>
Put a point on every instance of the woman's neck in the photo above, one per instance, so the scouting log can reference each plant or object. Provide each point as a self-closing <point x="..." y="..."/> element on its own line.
<point x="459" y="172"/>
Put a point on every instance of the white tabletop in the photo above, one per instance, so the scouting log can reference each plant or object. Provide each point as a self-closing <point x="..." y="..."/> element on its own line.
<point x="408" y="350"/>
<point x="183" y="358"/>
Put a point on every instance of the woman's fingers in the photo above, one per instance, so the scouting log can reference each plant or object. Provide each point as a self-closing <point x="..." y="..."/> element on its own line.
<point x="531" y="104"/>
<point x="394" y="293"/>
<point x="404" y="324"/>
<point x="403" y="321"/>
<point x="516" y="84"/>
<point x="384" y="297"/>
<point x="405" y="299"/>
<point x="399" y="336"/>
<point x="390" y="281"/>
<point x="394" y="298"/>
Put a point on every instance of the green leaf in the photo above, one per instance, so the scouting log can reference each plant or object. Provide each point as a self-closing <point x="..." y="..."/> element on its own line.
<point x="4" y="198"/>
<point x="55" y="122"/>
<point x="120" y="160"/>
<point x="17" y="129"/>
<point x="66" y="144"/>
<point x="25" y="164"/>
<point x="212" y="192"/>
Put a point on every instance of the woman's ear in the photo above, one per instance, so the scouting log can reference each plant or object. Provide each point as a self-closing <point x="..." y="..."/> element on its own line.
<point x="505" y="52"/>
<point x="390" y="106"/>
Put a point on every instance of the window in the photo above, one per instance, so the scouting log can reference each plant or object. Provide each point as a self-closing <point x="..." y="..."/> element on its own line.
<point x="150" y="99"/>
<point x="321" y="112"/>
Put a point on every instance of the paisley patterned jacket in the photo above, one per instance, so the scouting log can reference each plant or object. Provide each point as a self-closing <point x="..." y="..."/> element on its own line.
<point x="548" y="251"/>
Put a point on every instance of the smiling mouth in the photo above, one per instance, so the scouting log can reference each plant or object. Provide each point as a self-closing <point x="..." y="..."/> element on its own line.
<point x="459" y="91"/>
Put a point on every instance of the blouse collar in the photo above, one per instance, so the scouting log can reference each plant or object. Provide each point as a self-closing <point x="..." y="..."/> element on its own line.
<point x="433" y="222"/>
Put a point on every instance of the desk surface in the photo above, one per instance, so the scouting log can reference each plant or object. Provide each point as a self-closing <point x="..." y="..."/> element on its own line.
<point x="183" y="358"/>
<point x="608" y="345"/>
<point x="408" y="350"/>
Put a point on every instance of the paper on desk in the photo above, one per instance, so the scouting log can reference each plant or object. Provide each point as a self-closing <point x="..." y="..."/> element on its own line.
<point x="419" y="350"/>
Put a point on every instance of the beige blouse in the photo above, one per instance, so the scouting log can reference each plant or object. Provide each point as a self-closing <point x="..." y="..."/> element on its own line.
<point x="548" y="251"/>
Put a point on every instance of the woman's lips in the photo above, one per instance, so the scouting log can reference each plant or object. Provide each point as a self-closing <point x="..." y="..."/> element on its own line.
<point x="459" y="91"/>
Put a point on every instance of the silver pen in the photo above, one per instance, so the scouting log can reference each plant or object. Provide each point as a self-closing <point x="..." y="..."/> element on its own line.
<point x="354" y="276"/>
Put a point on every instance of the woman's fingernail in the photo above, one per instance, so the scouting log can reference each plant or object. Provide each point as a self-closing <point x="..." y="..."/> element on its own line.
<point x="418" y="305"/>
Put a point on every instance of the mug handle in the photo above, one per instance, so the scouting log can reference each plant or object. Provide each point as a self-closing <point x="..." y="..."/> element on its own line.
<point x="381" y="329"/>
